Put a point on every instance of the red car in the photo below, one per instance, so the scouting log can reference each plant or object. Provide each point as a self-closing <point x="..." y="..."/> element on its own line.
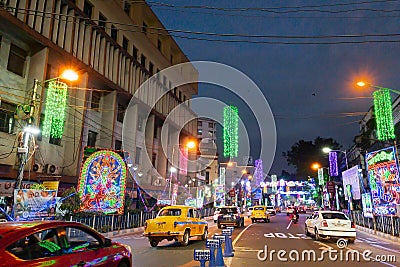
<point x="56" y="243"/>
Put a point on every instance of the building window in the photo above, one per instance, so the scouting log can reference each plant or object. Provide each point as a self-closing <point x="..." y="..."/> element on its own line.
<point x="92" y="136"/>
<point x="114" y="33"/>
<point x="210" y="125"/>
<point x="7" y="117"/>
<point x="199" y="131"/>
<point x="127" y="7"/>
<point x="180" y="95"/>
<point x="159" y="44"/>
<point x="88" y="9"/>
<point x="210" y="133"/>
<point x="143" y="60"/>
<point x="125" y="43"/>
<point x="118" y="145"/>
<point x="16" y="60"/>
<point x="134" y="52"/>
<point x="207" y="177"/>
<point x="164" y="81"/>
<point x="55" y="141"/>
<point x="137" y="155"/>
<point x="95" y="101"/>
<point x="121" y="113"/>
<point x="102" y="21"/>
<point x="144" y="27"/>
<point x="151" y="68"/>
<point x="199" y="123"/>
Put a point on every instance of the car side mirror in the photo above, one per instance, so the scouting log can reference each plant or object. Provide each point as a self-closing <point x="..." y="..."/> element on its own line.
<point x="107" y="242"/>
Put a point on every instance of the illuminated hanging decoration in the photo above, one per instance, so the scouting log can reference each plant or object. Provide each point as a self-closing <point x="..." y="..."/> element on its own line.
<point x="231" y="131"/>
<point x="259" y="172"/>
<point x="333" y="164"/>
<point x="383" y="114"/>
<point x="54" y="116"/>
<point x="102" y="182"/>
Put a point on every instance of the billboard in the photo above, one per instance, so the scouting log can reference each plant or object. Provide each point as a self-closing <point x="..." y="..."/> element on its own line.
<point x="367" y="205"/>
<point x="352" y="177"/>
<point x="219" y="196"/>
<point x="383" y="175"/>
<point x="30" y="204"/>
<point x="102" y="181"/>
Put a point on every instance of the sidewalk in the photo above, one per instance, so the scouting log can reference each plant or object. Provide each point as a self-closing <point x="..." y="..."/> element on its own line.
<point x="379" y="234"/>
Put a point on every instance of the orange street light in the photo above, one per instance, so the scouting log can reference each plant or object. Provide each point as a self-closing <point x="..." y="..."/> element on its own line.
<point x="361" y="84"/>
<point x="191" y="144"/>
<point x="315" y="166"/>
<point x="69" y="75"/>
<point x="244" y="171"/>
<point x="230" y="164"/>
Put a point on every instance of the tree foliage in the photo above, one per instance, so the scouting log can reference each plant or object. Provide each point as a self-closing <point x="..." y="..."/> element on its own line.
<point x="72" y="203"/>
<point x="304" y="153"/>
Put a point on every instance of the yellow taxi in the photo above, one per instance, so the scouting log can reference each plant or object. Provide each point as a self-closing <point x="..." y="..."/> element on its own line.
<point x="260" y="213"/>
<point x="177" y="223"/>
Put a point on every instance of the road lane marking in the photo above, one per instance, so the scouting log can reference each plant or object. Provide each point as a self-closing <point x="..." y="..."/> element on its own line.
<point x="290" y="223"/>
<point x="388" y="249"/>
<point x="228" y="261"/>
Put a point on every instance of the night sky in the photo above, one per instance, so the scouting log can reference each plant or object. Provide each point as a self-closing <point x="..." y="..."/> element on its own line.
<point x="308" y="86"/>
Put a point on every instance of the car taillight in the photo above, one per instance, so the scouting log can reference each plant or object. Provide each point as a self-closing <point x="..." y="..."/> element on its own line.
<point x="353" y="225"/>
<point x="145" y="225"/>
<point x="324" y="223"/>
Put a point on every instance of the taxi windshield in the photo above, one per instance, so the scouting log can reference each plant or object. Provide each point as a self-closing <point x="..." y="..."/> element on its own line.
<point x="258" y="208"/>
<point x="170" y="212"/>
<point x="229" y="211"/>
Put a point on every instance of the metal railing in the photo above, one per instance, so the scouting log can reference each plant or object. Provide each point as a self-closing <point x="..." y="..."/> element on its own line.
<point x="387" y="224"/>
<point x="110" y="223"/>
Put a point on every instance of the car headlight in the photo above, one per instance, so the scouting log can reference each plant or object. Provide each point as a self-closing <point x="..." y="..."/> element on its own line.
<point x="128" y="248"/>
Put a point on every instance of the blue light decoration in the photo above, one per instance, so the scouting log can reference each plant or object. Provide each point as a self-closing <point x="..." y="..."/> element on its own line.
<point x="383" y="174"/>
<point x="102" y="181"/>
<point x="333" y="164"/>
<point x="259" y="172"/>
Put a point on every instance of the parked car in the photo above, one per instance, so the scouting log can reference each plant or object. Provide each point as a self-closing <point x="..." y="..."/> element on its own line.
<point x="177" y="223"/>
<point x="216" y="214"/>
<point x="260" y="213"/>
<point x="330" y="224"/>
<point x="62" y="244"/>
<point x="271" y="210"/>
<point x="230" y="216"/>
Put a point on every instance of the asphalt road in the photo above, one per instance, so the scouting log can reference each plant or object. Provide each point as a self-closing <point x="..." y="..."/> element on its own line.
<point x="251" y="242"/>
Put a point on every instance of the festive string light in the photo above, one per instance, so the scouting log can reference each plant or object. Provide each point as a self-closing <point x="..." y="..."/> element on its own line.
<point x="231" y="131"/>
<point x="54" y="116"/>
<point x="383" y="114"/>
<point x="333" y="163"/>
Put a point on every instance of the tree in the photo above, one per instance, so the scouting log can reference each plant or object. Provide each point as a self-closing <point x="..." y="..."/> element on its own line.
<point x="72" y="202"/>
<point x="304" y="153"/>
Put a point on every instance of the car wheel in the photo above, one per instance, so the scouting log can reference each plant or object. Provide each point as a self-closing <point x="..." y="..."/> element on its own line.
<point x="123" y="264"/>
<point x="306" y="230"/>
<point x="154" y="242"/>
<point x="205" y="234"/>
<point x="268" y="220"/>
<point x="215" y="221"/>
<point x="317" y="238"/>
<point x="219" y="226"/>
<point x="185" y="238"/>
<point x="243" y="222"/>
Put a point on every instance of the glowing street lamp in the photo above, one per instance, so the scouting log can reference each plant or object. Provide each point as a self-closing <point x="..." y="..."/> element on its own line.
<point x="315" y="166"/>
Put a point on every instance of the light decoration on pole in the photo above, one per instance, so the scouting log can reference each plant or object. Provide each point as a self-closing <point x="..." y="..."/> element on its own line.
<point x="54" y="116"/>
<point x="231" y="132"/>
<point x="258" y="172"/>
<point x="383" y="114"/>
<point x="333" y="164"/>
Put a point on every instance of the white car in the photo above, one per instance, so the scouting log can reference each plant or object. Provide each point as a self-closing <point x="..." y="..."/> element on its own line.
<point x="330" y="224"/>
<point x="249" y="211"/>
<point x="216" y="214"/>
<point x="271" y="210"/>
<point x="289" y="210"/>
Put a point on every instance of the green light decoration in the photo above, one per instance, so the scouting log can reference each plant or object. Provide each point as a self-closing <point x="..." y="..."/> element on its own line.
<point x="231" y="131"/>
<point x="383" y="114"/>
<point x="54" y="116"/>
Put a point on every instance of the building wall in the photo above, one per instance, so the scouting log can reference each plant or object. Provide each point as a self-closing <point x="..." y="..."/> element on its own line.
<point x="108" y="69"/>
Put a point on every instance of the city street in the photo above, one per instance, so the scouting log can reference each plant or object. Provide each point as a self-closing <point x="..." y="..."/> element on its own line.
<point x="250" y="240"/>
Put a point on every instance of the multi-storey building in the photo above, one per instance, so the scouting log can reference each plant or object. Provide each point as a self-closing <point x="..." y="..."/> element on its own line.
<point x="115" y="46"/>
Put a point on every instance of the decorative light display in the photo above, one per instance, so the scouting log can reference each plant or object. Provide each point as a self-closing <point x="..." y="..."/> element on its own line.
<point x="333" y="164"/>
<point x="383" y="114"/>
<point x="231" y="131"/>
<point x="259" y="172"/>
<point x="102" y="182"/>
<point x="384" y="179"/>
<point x="54" y="116"/>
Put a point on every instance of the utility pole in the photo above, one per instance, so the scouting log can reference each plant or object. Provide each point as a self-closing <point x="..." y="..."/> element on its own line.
<point x="23" y="147"/>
